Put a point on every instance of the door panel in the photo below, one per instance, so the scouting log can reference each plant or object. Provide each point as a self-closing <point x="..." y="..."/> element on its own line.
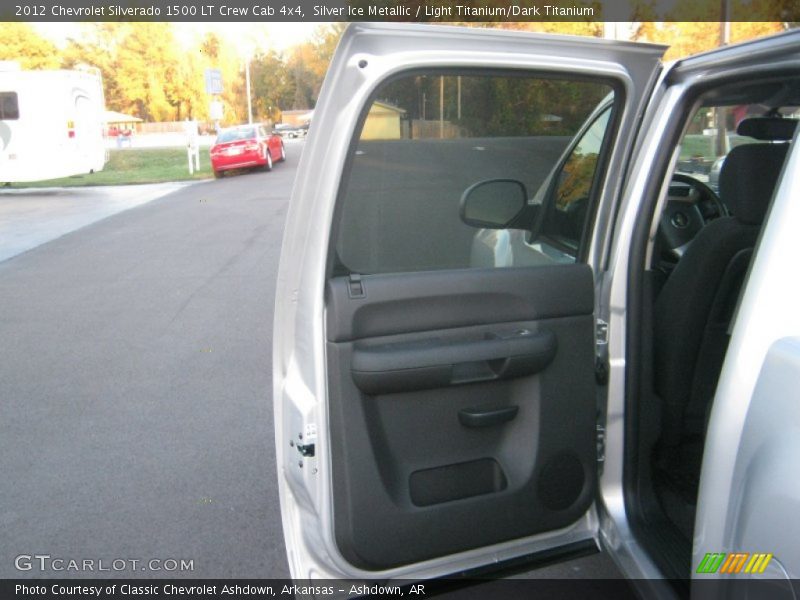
<point x="433" y="416"/>
<point x="474" y="424"/>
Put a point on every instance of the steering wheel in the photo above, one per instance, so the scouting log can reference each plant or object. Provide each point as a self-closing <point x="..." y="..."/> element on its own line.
<point x="684" y="217"/>
<point x="709" y="194"/>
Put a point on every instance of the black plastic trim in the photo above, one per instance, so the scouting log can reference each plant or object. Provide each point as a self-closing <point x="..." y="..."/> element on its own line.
<point x="487" y="417"/>
<point x="424" y="301"/>
<point x="432" y="362"/>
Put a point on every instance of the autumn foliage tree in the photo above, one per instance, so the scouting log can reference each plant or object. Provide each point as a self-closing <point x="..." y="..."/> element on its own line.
<point x="687" y="38"/>
<point x="153" y="74"/>
<point x="145" y="72"/>
<point x="692" y="27"/>
<point x="272" y="85"/>
<point x="21" y="43"/>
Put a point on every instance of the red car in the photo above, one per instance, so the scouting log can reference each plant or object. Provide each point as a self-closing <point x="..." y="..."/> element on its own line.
<point x="245" y="146"/>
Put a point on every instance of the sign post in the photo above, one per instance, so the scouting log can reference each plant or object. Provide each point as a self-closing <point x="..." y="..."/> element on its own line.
<point x="192" y="145"/>
<point x="215" y="112"/>
<point x="213" y="79"/>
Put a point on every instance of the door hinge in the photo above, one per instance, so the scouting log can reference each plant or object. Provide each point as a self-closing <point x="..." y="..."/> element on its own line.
<point x="601" y="353"/>
<point x="601" y="443"/>
<point x="600" y="370"/>
<point x="355" y="286"/>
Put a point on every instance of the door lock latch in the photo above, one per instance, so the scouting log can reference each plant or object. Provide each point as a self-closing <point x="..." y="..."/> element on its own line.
<point x="355" y="286"/>
<point x="306" y="450"/>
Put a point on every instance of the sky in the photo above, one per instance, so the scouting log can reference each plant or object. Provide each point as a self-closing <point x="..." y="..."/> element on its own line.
<point x="246" y="37"/>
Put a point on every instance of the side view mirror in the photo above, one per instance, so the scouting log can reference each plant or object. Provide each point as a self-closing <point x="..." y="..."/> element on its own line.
<point x="493" y="203"/>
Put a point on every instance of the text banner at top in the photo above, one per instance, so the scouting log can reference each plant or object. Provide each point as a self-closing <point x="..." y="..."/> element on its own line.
<point x="458" y="11"/>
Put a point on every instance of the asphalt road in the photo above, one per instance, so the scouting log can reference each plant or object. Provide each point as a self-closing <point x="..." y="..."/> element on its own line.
<point x="30" y="217"/>
<point x="135" y="387"/>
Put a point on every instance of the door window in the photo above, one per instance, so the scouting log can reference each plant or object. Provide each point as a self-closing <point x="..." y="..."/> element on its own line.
<point x="9" y="106"/>
<point x="427" y="138"/>
<point x="566" y="219"/>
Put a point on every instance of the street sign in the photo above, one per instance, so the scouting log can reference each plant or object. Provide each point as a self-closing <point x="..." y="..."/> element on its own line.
<point x="215" y="110"/>
<point x="213" y="81"/>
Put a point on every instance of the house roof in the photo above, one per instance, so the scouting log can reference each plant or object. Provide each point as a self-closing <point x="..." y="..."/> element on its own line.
<point x="388" y="107"/>
<point x="112" y="116"/>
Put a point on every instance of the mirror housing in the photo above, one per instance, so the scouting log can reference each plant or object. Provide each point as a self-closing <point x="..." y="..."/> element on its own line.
<point x="493" y="203"/>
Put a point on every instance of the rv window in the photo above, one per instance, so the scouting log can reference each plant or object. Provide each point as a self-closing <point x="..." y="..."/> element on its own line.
<point x="9" y="107"/>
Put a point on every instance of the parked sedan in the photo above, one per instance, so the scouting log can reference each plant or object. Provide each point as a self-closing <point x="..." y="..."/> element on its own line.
<point x="245" y="146"/>
<point x="290" y="131"/>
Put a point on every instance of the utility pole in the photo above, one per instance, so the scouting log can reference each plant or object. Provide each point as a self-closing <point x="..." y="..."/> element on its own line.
<point x="725" y="23"/>
<point x="441" y="107"/>
<point x="720" y="113"/>
<point x="459" y="98"/>
<point x="247" y="86"/>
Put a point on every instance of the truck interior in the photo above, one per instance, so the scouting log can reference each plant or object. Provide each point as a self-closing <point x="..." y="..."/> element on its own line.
<point x="722" y="177"/>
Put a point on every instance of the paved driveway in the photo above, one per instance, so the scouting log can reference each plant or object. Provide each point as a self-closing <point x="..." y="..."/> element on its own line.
<point x="135" y="378"/>
<point x="32" y="216"/>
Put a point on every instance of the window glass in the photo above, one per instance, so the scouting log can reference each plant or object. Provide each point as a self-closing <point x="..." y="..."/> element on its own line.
<point x="713" y="131"/>
<point x="426" y="139"/>
<point x="565" y="223"/>
<point x="9" y="106"/>
<point x="235" y="135"/>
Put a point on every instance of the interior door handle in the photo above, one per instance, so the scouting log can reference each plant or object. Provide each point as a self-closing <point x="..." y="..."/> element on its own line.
<point x="433" y="362"/>
<point x="486" y="417"/>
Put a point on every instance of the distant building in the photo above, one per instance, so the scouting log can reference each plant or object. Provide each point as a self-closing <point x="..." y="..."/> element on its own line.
<point x="117" y="121"/>
<point x="296" y="117"/>
<point x="383" y="122"/>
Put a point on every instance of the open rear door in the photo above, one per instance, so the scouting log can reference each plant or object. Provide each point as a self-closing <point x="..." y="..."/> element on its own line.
<point x="434" y="374"/>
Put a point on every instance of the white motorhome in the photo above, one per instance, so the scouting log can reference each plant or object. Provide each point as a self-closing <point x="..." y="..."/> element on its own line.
<point x="51" y="123"/>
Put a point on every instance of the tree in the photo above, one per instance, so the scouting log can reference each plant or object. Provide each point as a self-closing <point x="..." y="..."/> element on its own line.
<point x="143" y="68"/>
<point x="308" y="63"/>
<point x="303" y="81"/>
<point x="687" y="38"/>
<point x="272" y="89"/>
<point x="701" y="29"/>
<point x="324" y="42"/>
<point x="144" y="72"/>
<point x="585" y="28"/>
<point x="97" y="47"/>
<point x="22" y="44"/>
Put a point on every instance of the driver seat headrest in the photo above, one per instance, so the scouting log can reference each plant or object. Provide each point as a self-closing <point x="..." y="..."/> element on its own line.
<point x="767" y="128"/>
<point x="748" y="177"/>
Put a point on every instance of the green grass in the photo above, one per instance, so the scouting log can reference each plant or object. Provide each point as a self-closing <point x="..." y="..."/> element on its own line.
<point x="140" y="165"/>
<point x="695" y="145"/>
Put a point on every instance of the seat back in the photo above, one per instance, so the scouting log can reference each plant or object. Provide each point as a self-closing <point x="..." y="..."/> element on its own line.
<point x="695" y="306"/>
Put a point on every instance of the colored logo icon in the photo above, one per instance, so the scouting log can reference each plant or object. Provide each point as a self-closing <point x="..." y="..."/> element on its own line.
<point x="734" y="563"/>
